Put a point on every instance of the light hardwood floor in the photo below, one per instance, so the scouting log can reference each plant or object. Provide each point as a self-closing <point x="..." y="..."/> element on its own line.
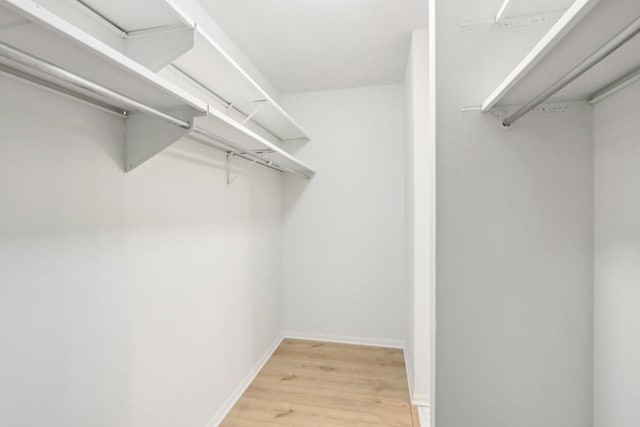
<point x="313" y="384"/>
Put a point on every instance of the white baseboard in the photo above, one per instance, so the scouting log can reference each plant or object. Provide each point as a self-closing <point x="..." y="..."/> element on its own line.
<point x="407" y="368"/>
<point x="424" y="413"/>
<point x="237" y="394"/>
<point x="420" y="399"/>
<point x="417" y="399"/>
<point x="373" y="342"/>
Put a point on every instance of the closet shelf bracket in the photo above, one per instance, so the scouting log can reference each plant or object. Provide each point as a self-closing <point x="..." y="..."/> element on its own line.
<point x="261" y="103"/>
<point x="157" y="48"/>
<point x="231" y="178"/>
<point x="146" y="136"/>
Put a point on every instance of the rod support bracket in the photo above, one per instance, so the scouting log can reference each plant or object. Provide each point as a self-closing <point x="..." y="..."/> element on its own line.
<point x="231" y="178"/>
<point x="505" y="127"/>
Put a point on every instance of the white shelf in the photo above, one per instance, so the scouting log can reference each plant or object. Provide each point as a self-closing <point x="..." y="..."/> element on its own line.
<point x="209" y="65"/>
<point x="33" y="29"/>
<point x="584" y="28"/>
<point x="54" y="53"/>
<point x="203" y="60"/>
<point x="151" y="32"/>
<point x="197" y="54"/>
<point x="228" y="129"/>
<point x="132" y="16"/>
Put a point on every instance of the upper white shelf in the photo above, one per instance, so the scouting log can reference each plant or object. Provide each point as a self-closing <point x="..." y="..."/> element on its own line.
<point x="139" y="15"/>
<point x="40" y="46"/>
<point x="200" y="58"/>
<point x="584" y="28"/>
<point x="210" y="66"/>
<point x="30" y="27"/>
<point x="225" y="129"/>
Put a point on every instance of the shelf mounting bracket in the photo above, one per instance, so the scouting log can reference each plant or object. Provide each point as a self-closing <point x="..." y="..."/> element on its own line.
<point x="261" y="104"/>
<point x="159" y="47"/>
<point x="230" y="179"/>
<point x="146" y="136"/>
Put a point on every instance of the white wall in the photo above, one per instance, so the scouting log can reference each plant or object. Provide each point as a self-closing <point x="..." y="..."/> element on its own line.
<point x="141" y="299"/>
<point x="343" y="236"/>
<point x="617" y="260"/>
<point x="419" y="187"/>
<point x="514" y="242"/>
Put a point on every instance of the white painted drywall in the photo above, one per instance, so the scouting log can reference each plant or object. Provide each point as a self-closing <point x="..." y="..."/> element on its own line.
<point x="140" y="299"/>
<point x="419" y="187"/>
<point x="617" y="260"/>
<point x="343" y="232"/>
<point x="514" y="242"/>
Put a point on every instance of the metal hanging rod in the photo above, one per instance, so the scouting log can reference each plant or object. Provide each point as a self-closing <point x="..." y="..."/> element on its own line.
<point x="615" y="87"/>
<point x="23" y="58"/>
<point x="238" y="150"/>
<point x="605" y="50"/>
<point x="226" y="151"/>
<point x="62" y="91"/>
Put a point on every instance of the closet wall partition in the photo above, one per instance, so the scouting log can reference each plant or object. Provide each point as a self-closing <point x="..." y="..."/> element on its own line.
<point x="514" y="240"/>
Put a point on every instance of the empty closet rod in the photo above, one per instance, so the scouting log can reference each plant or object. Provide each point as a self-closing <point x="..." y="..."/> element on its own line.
<point x="615" y="87"/>
<point x="20" y="57"/>
<point x="211" y="146"/>
<point x="240" y="150"/>
<point x="607" y="49"/>
<point x="62" y="91"/>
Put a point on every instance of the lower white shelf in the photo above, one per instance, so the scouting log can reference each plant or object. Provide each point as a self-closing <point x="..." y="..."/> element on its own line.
<point x="146" y="136"/>
<point x="148" y="131"/>
<point x="222" y="130"/>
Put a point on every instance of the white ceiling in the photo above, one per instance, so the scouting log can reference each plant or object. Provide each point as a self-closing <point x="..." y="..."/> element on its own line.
<point x="308" y="45"/>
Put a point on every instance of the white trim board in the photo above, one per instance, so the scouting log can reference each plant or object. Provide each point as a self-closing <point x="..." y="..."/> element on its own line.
<point x="417" y="399"/>
<point x="424" y="414"/>
<point x="339" y="339"/>
<point x="409" y="372"/>
<point x="420" y="399"/>
<point x="244" y="385"/>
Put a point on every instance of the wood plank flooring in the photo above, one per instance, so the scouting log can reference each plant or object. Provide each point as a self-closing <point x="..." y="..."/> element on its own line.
<point x="313" y="384"/>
